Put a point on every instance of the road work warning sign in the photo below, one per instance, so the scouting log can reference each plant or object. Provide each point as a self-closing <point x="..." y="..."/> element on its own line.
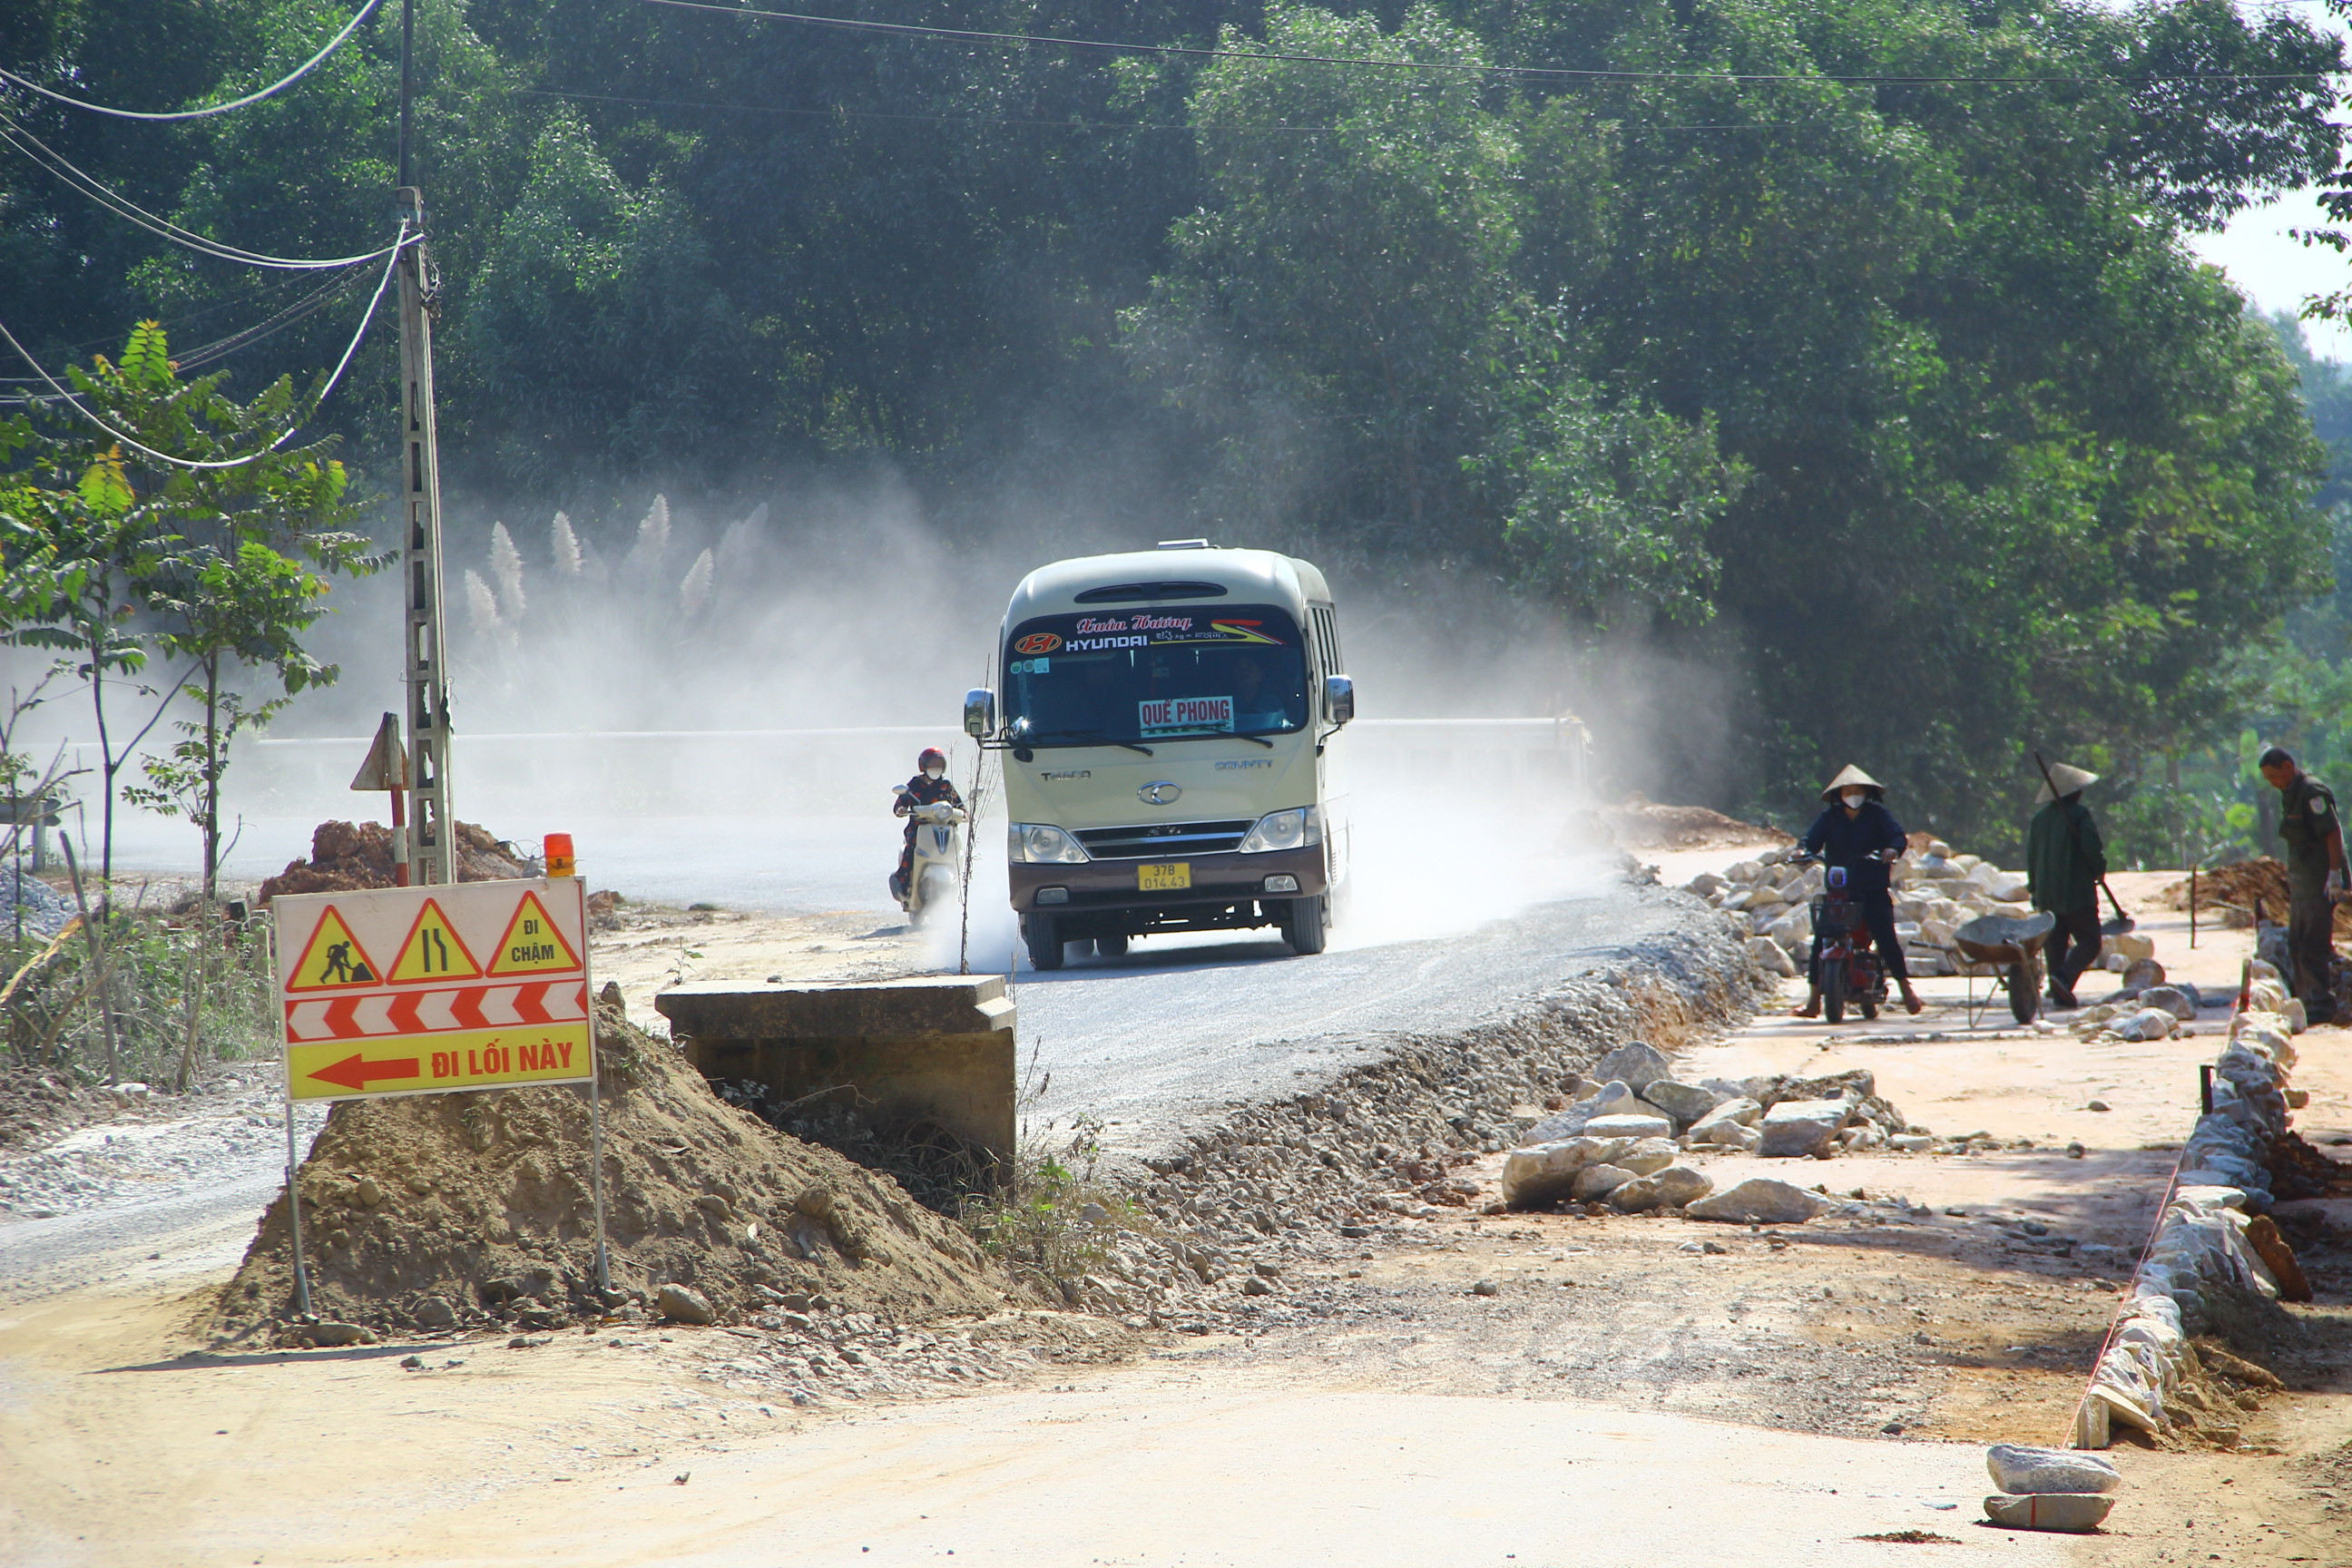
<point x="439" y="1019"/>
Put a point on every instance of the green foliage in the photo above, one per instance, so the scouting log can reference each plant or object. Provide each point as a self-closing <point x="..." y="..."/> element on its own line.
<point x="1901" y="402"/>
<point x="115" y="559"/>
<point x="143" y="976"/>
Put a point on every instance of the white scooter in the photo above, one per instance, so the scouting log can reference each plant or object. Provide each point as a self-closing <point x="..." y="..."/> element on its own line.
<point x="936" y="872"/>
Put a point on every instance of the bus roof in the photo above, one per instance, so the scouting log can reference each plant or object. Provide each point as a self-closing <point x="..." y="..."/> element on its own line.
<point x="1161" y="576"/>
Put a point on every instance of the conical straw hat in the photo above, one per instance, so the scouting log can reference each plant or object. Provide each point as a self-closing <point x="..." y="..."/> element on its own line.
<point x="1850" y="776"/>
<point x="2068" y="780"/>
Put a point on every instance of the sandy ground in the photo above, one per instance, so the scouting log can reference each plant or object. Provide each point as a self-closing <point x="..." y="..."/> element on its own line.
<point x="1830" y="1383"/>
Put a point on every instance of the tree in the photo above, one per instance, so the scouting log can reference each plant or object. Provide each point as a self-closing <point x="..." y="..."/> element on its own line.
<point x="211" y="568"/>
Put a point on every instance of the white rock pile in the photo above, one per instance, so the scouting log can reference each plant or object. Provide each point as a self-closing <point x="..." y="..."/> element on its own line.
<point x="2201" y="1248"/>
<point x="1767" y="901"/>
<point x="1619" y="1143"/>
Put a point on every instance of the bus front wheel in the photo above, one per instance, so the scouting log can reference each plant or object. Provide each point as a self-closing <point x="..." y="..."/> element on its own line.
<point x="1043" y="935"/>
<point x="1305" y="925"/>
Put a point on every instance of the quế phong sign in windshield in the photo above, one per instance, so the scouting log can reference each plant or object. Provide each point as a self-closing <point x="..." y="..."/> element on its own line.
<point x="1155" y="675"/>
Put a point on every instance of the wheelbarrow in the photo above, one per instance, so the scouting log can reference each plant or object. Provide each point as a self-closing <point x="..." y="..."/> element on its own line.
<point x="2013" y="947"/>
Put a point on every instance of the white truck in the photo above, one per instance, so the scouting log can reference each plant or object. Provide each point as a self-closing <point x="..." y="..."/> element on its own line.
<point x="1166" y="721"/>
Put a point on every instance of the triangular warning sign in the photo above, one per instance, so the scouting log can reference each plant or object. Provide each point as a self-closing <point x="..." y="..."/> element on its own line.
<point x="532" y="945"/>
<point x="433" y="951"/>
<point x="334" y="961"/>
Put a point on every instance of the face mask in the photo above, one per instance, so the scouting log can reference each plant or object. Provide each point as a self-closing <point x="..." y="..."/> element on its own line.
<point x="1853" y="799"/>
<point x="935" y="773"/>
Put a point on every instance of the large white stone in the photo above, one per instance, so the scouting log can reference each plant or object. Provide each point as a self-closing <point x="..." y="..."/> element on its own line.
<point x="1801" y="1127"/>
<point x="1669" y="1188"/>
<point x="1632" y="1125"/>
<point x="1598" y="1181"/>
<point x="1761" y="1200"/>
<point x="2018" y="1468"/>
<point x="2070" y="1512"/>
<point x="1636" y="1064"/>
<point x="1769" y="957"/>
<point x="2147" y="1023"/>
<point x="1685" y="1102"/>
<point x="1546" y="1172"/>
<point x="1739" y="1112"/>
<point x="1645" y="1156"/>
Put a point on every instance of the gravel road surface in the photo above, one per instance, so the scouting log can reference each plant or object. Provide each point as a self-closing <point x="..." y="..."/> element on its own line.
<point x="1166" y="1035"/>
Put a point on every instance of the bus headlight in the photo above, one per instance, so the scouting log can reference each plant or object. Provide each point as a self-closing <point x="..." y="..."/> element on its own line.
<point x="1292" y="829"/>
<point x="1041" y="843"/>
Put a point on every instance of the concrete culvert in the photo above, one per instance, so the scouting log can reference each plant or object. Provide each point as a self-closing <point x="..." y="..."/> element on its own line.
<point x="482" y="1214"/>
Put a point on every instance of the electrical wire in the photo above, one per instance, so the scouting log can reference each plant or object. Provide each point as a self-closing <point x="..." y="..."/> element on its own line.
<point x="71" y="399"/>
<point x="219" y="349"/>
<point x="1106" y="126"/>
<point x="122" y="207"/>
<point x="904" y="29"/>
<point x="277" y="87"/>
<point x="309" y="305"/>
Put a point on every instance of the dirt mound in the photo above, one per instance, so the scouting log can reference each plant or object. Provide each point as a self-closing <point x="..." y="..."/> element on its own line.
<point x="349" y="855"/>
<point x="2232" y="889"/>
<point x="466" y="1209"/>
<point x="1641" y="823"/>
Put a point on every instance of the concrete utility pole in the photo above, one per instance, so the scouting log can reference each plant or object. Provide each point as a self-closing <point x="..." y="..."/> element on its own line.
<point x="430" y="852"/>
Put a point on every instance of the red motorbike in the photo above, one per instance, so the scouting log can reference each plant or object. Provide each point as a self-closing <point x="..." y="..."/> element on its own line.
<point x="1847" y="957"/>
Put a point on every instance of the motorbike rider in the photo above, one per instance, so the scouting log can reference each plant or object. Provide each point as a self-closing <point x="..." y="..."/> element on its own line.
<point x="929" y="786"/>
<point x="1857" y="831"/>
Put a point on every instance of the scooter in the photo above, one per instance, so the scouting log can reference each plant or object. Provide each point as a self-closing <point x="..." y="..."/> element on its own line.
<point x="1848" y="958"/>
<point x="936" y="872"/>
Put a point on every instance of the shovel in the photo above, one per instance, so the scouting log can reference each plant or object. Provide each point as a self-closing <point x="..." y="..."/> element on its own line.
<point x="2122" y="922"/>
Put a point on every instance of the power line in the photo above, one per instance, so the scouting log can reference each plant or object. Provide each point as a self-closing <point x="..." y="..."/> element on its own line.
<point x="278" y="86"/>
<point x="1109" y="126"/>
<point x="333" y="380"/>
<point x="839" y="114"/>
<point x="903" y="29"/>
<point x="122" y="207"/>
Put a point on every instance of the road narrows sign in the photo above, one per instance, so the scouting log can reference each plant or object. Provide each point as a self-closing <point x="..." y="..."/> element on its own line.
<point x="433" y="951"/>
<point x="436" y="1023"/>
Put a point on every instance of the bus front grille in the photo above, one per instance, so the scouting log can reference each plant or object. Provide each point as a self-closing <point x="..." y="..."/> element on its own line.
<point x="1159" y="839"/>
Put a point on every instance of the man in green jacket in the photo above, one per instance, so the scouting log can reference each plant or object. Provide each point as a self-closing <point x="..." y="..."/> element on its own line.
<point x="2063" y="862"/>
<point x="2314" y="879"/>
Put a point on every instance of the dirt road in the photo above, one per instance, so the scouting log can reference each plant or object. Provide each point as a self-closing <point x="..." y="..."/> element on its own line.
<point x="1615" y="1398"/>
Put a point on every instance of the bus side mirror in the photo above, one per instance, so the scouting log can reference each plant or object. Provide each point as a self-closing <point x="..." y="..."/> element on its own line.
<point x="979" y="712"/>
<point x="1338" y="699"/>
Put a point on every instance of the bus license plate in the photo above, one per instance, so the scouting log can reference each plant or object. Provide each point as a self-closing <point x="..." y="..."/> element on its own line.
<point x="1163" y="879"/>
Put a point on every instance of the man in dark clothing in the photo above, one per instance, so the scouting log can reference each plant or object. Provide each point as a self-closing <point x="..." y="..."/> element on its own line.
<point x="2315" y="880"/>
<point x="1855" y="831"/>
<point x="2063" y="862"/>
<point x="928" y="787"/>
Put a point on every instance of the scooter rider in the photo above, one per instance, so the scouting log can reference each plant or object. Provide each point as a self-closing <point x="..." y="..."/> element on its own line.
<point x="1857" y="832"/>
<point x="929" y="786"/>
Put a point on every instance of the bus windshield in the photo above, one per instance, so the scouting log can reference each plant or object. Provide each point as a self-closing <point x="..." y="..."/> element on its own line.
<point x="1152" y="675"/>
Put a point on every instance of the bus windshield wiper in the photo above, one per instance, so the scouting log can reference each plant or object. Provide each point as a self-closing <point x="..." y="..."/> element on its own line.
<point x="1083" y="736"/>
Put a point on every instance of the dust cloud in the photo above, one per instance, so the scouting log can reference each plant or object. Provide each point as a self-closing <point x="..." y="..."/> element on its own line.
<point x="715" y="700"/>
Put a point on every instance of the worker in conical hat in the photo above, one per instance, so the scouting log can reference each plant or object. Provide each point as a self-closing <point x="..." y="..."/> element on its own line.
<point x="1850" y="777"/>
<point x="2063" y="862"/>
<point x="1857" y="831"/>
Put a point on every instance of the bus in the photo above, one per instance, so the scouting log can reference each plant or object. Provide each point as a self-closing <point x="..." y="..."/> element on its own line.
<point x="1166" y="721"/>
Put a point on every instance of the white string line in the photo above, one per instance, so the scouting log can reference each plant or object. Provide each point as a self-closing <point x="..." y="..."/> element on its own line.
<point x="399" y="244"/>
<point x="122" y="207"/>
<point x="280" y="85"/>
